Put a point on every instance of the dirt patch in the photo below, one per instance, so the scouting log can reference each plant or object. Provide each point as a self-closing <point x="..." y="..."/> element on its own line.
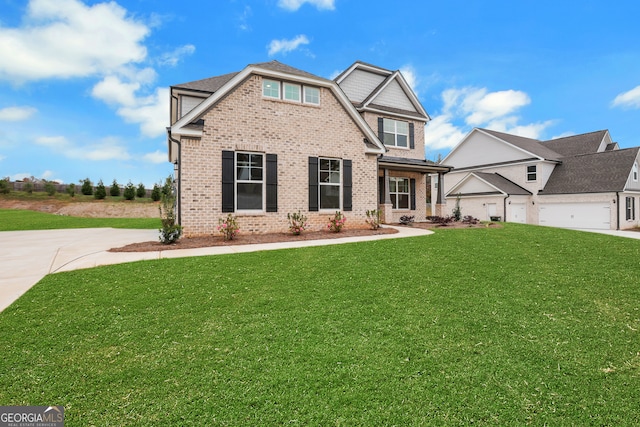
<point x="97" y="209"/>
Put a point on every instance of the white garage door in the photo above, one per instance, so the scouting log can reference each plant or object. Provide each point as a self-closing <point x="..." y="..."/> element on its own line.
<point x="576" y="215"/>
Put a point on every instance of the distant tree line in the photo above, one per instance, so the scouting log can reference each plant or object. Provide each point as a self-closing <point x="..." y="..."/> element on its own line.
<point x="87" y="188"/>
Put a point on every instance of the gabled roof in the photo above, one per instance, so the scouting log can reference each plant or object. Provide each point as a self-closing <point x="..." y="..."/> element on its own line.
<point x="530" y="145"/>
<point x="575" y="145"/>
<point x="606" y="171"/>
<point x="371" y="95"/>
<point x="220" y="86"/>
<point x="494" y="182"/>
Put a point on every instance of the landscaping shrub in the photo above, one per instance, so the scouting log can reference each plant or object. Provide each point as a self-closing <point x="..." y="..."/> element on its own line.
<point x="407" y="219"/>
<point x="87" y="187"/>
<point x="228" y="227"/>
<point x="141" y="191"/>
<point x="468" y="219"/>
<point x="373" y="218"/>
<point x="336" y="222"/>
<point x="170" y="231"/>
<point x="114" y="191"/>
<point x="457" y="213"/>
<point x="297" y="222"/>
<point x="441" y="220"/>
<point x="167" y="188"/>
<point x="101" y="191"/>
<point x="129" y="191"/>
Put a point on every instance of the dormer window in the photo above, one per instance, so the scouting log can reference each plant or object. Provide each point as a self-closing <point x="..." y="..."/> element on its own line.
<point x="532" y="173"/>
<point x="396" y="133"/>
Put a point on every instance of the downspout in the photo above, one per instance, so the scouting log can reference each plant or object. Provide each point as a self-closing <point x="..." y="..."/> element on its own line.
<point x="504" y="209"/>
<point x="179" y="164"/>
<point x="618" y="210"/>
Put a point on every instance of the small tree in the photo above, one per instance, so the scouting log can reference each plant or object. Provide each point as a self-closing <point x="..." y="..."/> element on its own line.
<point x="87" y="187"/>
<point x="4" y="186"/>
<point x="101" y="191"/>
<point x="167" y="188"/>
<point x="457" y="213"/>
<point x="129" y="191"/>
<point x="71" y="190"/>
<point x="141" y="191"/>
<point x="50" y="188"/>
<point x="114" y="191"/>
<point x="156" y="193"/>
<point x="28" y="187"/>
<point x="170" y="231"/>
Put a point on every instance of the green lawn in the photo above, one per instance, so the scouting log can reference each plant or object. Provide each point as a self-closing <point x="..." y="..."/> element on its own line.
<point x="520" y="325"/>
<point x="18" y="220"/>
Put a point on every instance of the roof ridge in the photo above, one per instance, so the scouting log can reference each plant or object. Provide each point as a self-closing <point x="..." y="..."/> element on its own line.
<point x="576" y="135"/>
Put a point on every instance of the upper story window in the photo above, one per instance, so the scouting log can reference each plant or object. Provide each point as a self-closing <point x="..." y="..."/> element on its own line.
<point x="290" y="92"/>
<point x="532" y="173"/>
<point x="396" y="133"/>
<point x="271" y="88"/>
<point x="635" y="172"/>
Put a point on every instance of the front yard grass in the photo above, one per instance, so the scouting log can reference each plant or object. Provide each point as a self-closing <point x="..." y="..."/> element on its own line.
<point x="520" y="325"/>
<point x="19" y="220"/>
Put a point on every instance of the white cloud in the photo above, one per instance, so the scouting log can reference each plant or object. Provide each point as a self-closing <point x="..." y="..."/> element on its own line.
<point x="285" y="46"/>
<point x="106" y="149"/>
<point x="296" y="4"/>
<point x="172" y="58"/>
<point x="20" y="176"/>
<point x="477" y="107"/>
<point x="66" y="38"/>
<point x="16" y="114"/>
<point x="54" y="142"/>
<point x="156" y="157"/>
<point x="629" y="99"/>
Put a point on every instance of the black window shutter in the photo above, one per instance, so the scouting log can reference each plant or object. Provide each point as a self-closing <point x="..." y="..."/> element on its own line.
<point x="381" y="189"/>
<point x="412" y="186"/>
<point x="381" y="129"/>
<point x="313" y="185"/>
<point x="412" y="143"/>
<point x="228" y="175"/>
<point x="272" y="183"/>
<point x="347" y="186"/>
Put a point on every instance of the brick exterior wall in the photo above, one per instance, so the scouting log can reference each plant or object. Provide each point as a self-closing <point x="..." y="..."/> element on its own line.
<point x="246" y="121"/>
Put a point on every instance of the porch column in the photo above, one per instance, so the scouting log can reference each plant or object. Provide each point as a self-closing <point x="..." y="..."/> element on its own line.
<point x="440" y="197"/>
<point x="387" y="206"/>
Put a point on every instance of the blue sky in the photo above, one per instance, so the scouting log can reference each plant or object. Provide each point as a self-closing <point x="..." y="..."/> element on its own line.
<point x="84" y="84"/>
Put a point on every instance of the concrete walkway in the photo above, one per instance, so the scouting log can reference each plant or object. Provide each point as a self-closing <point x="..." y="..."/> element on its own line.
<point x="27" y="256"/>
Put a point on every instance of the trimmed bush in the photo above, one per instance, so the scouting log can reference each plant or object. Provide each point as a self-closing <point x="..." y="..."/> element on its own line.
<point x="87" y="187"/>
<point x="141" y="191"/>
<point x="101" y="191"/>
<point x="156" y="193"/>
<point x="114" y="191"/>
<point x="129" y="191"/>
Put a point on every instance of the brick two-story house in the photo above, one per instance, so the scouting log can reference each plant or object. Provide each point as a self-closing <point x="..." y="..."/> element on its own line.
<point x="272" y="139"/>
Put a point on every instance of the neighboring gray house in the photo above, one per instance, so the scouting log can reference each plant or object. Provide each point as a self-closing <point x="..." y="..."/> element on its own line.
<point x="581" y="181"/>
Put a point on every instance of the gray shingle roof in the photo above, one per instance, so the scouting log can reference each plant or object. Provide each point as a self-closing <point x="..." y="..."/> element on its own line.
<point x="502" y="183"/>
<point x="592" y="173"/>
<point x="575" y="145"/>
<point x="212" y="84"/>
<point x="528" y="144"/>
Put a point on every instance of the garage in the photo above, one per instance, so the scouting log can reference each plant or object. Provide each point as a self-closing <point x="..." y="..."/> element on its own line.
<point x="518" y="213"/>
<point x="590" y="215"/>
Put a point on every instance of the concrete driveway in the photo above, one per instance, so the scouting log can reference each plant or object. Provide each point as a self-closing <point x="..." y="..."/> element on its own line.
<point x="28" y="256"/>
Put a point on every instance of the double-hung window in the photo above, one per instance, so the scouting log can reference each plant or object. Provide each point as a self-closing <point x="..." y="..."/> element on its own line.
<point x="396" y="133"/>
<point x="631" y="208"/>
<point x="329" y="182"/>
<point x="399" y="192"/>
<point x="249" y="181"/>
<point x="531" y="173"/>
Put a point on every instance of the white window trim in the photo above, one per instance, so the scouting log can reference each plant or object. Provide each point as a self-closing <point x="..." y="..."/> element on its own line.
<point x="304" y="95"/>
<point x="279" y="89"/>
<point x="630" y="208"/>
<point x="320" y="184"/>
<point x="396" y="133"/>
<point x="244" y="181"/>
<point x="408" y="193"/>
<point x="634" y="172"/>
<point x="535" y="172"/>
<point x="284" y="92"/>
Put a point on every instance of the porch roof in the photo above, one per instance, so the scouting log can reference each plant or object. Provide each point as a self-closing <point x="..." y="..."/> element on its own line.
<point x="415" y="165"/>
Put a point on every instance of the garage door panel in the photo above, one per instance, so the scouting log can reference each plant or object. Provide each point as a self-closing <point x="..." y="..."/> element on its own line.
<point x="576" y="215"/>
